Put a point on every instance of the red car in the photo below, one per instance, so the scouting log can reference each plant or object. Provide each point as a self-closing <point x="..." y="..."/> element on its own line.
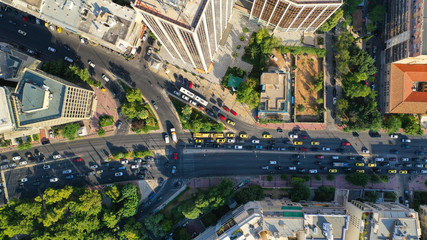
<point x="233" y="112"/>
<point x="190" y="84"/>
<point x="226" y="108"/>
<point x="303" y="136"/>
<point x="220" y="116"/>
<point x="78" y="159"/>
<point x="303" y="149"/>
<point x="175" y="156"/>
<point x="393" y="159"/>
<point x="345" y="144"/>
<point x="320" y="156"/>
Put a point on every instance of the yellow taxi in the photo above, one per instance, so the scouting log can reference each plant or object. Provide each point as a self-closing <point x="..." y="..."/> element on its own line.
<point x="315" y="143"/>
<point x="266" y="135"/>
<point x="372" y="164"/>
<point x="333" y="170"/>
<point x="360" y="171"/>
<point x="59" y="29"/>
<point x="360" y="164"/>
<point x="199" y="140"/>
<point x="243" y="135"/>
<point x="231" y="122"/>
<point x="403" y="172"/>
<point x="230" y="134"/>
<point x="220" y="140"/>
<point x="297" y="142"/>
<point x="392" y="171"/>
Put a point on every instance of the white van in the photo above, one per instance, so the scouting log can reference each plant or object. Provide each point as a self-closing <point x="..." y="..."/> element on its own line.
<point x="167" y="139"/>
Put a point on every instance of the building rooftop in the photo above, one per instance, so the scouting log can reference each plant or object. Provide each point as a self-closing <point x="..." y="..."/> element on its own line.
<point x="103" y="19"/>
<point x="185" y="13"/>
<point x="314" y="1"/>
<point x="408" y="88"/>
<point x="31" y="99"/>
<point x="12" y="62"/>
<point x="274" y="94"/>
<point x="396" y="229"/>
<point x="322" y="226"/>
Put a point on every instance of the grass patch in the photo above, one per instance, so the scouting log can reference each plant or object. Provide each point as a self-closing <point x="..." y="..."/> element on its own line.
<point x="105" y="120"/>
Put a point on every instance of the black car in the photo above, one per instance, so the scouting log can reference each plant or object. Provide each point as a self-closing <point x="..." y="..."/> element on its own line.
<point x="394" y="151"/>
<point x="351" y="158"/>
<point x="315" y="149"/>
<point x="297" y="156"/>
<point x="105" y="164"/>
<point x="377" y="170"/>
<point x="292" y="148"/>
<point x="374" y="134"/>
<point x="249" y="147"/>
<point x="318" y="162"/>
<point x="355" y="134"/>
<point x="279" y="130"/>
<point x="385" y="164"/>
<point x="419" y="153"/>
<point x="279" y="168"/>
<point x="340" y="150"/>
<point x="348" y="170"/>
<point x="45" y="142"/>
<point x="46" y="176"/>
<point x="334" y="92"/>
<point x="215" y="109"/>
<point x="287" y="141"/>
<point x="360" y="158"/>
<point x="297" y="162"/>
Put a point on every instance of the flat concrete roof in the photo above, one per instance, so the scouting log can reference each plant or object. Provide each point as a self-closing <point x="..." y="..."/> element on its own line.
<point x="5" y="117"/>
<point x="56" y="89"/>
<point x="33" y="97"/>
<point x="181" y="12"/>
<point x="274" y="90"/>
<point x="316" y="222"/>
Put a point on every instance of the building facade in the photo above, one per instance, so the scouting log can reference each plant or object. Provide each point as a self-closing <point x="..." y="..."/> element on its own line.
<point x="423" y="220"/>
<point x="293" y="15"/>
<point x="189" y="30"/>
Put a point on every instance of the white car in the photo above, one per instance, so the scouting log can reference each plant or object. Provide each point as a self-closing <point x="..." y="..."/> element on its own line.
<point x="54" y="180"/>
<point x="30" y="51"/>
<point x="326" y="149"/>
<point x="406" y="140"/>
<point x="57" y="156"/>
<point x="22" y="32"/>
<point x="292" y="168"/>
<point x="91" y="64"/>
<point x="16" y="158"/>
<point x="293" y="136"/>
<point x="94" y="166"/>
<point x="265" y="167"/>
<point x="124" y="161"/>
<point x="118" y="174"/>
<point x="47" y="166"/>
<point x="238" y="147"/>
<point x="273" y="162"/>
<point x="405" y="159"/>
<point x="134" y="166"/>
<point x="378" y="159"/>
<point x="24" y="180"/>
<point x="67" y="171"/>
<point x="334" y="100"/>
<point x="144" y="37"/>
<point x="51" y="49"/>
<point x="231" y="140"/>
<point x="185" y="97"/>
<point x="335" y="157"/>
<point x="193" y="102"/>
<point x="255" y="141"/>
<point x="312" y="171"/>
<point x="365" y="150"/>
<point x="173" y="170"/>
<point x="23" y="163"/>
<point x="68" y="59"/>
<point x="394" y="136"/>
<point x="167" y="139"/>
<point x="150" y="159"/>
<point x="424" y="171"/>
<point x="105" y="77"/>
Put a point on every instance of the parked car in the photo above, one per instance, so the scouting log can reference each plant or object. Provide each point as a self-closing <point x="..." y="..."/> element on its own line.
<point x="53" y="180"/>
<point x="118" y="174"/>
<point x="22" y="32"/>
<point x="91" y="64"/>
<point x="107" y="79"/>
<point x="51" y="49"/>
<point x="68" y="59"/>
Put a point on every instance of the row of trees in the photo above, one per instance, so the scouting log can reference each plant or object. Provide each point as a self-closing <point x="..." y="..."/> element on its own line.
<point x="139" y="112"/>
<point x="194" y="120"/>
<point x="361" y="179"/>
<point x="71" y="73"/>
<point x="410" y="123"/>
<point x="74" y="213"/>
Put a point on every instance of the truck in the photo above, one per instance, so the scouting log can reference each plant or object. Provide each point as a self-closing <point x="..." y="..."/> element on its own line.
<point x="339" y="164"/>
<point x="173" y="133"/>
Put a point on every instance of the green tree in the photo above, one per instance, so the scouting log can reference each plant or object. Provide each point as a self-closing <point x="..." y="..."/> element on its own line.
<point x="332" y="21"/>
<point x="250" y="193"/>
<point x="392" y="123"/>
<point x="375" y="178"/>
<point x="384" y="178"/>
<point x="36" y="137"/>
<point x="324" y="194"/>
<point x="300" y="192"/>
<point x="167" y="225"/>
<point x="134" y="110"/>
<point x="284" y="177"/>
<point x="132" y="230"/>
<point x="411" y="125"/>
<point x="377" y="14"/>
<point x="247" y="94"/>
<point x="152" y="222"/>
<point x="101" y="132"/>
<point x="330" y="177"/>
<point x="134" y="95"/>
<point x="358" y="179"/>
<point x="70" y="130"/>
<point x="189" y="210"/>
<point x="269" y="178"/>
<point x="301" y="108"/>
<point x="105" y="120"/>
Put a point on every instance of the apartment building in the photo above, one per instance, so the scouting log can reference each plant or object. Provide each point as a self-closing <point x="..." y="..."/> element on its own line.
<point x="423" y="221"/>
<point x="374" y="221"/>
<point x="293" y="15"/>
<point x="189" y="30"/>
<point x="100" y="21"/>
<point x="277" y="219"/>
<point x="275" y="95"/>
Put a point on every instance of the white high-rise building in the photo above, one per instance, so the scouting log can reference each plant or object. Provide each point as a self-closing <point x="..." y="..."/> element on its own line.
<point x="190" y="30"/>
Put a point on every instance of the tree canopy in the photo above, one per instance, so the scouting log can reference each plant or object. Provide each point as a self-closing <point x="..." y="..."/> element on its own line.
<point x="332" y="21"/>
<point x="358" y="179"/>
<point x="300" y="192"/>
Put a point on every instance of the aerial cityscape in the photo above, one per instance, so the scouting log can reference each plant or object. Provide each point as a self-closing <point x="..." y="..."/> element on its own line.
<point x="213" y="119"/>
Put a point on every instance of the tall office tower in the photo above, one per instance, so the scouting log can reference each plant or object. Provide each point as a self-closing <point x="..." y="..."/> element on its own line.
<point x="293" y="15"/>
<point x="190" y="30"/>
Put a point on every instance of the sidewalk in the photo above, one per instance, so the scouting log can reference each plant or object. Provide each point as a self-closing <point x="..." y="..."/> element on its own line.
<point x="290" y="126"/>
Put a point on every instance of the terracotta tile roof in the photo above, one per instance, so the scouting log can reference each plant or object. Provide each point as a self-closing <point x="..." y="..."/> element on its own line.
<point x="402" y="98"/>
